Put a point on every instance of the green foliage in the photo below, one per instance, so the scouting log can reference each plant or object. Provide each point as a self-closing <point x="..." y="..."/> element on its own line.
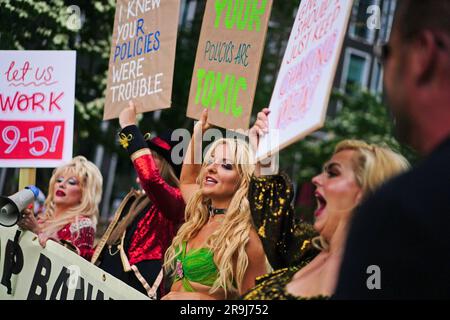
<point x="43" y="25"/>
<point x="361" y="116"/>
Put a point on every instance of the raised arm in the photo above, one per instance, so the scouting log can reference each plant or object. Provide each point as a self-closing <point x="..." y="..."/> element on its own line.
<point x="256" y="132"/>
<point x="167" y="198"/>
<point x="192" y="163"/>
<point x="270" y="198"/>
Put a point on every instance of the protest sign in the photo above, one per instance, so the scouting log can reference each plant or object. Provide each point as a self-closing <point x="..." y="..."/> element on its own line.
<point x="300" y="99"/>
<point x="142" y="56"/>
<point x="53" y="273"/>
<point x="228" y="60"/>
<point x="37" y="92"/>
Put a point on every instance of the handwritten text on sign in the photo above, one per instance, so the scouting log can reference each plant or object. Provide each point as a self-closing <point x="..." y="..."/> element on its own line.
<point x="142" y="55"/>
<point x="28" y="139"/>
<point x="36" y="107"/>
<point x="228" y="60"/>
<point x="300" y="98"/>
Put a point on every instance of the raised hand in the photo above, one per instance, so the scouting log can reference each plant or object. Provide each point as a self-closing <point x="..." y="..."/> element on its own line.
<point x="202" y="125"/>
<point x="127" y="116"/>
<point x="260" y="128"/>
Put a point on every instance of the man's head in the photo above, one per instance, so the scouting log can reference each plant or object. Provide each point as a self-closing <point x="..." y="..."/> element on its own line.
<point x="417" y="72"/>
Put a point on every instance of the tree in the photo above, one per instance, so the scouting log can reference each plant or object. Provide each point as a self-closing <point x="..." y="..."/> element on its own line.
<point x="52" y="25"/>
<point x="362" y="116"/>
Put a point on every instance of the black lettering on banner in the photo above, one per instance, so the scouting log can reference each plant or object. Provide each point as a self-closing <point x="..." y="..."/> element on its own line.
<point x="13" y="261"/>
<point x="89" y="292"/>
<point x="40" y="280"/>
<point x="79" y="292"/>
<point x="61" y="284"/>
<point x="100" y="295"/>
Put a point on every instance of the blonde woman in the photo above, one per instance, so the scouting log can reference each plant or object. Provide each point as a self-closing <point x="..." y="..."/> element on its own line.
<point x="355" y="171"/>
<point x="216" y="254"/>
<point x="71" y="207"/>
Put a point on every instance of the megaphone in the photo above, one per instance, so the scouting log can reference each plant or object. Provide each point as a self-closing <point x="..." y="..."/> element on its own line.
<point x="12" y="206"/>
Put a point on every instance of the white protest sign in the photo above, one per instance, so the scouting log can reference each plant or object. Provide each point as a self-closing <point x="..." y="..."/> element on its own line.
<point x="299" y="101"/>
<point x="37" y="92"/>
<point x="54" y="273"/>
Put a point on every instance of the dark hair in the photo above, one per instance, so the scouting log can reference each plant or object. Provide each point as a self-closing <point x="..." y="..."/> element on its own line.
<point x="413" y="16"/>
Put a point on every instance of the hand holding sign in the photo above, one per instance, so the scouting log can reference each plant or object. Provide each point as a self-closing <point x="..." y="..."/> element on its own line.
<point x="202" y="125"/>
<point x="301" y="94"/>
<point x="127" y="116"/>
<point x="260" y="128"/>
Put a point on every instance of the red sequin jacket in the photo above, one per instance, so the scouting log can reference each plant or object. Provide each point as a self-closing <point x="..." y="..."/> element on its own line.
<point x="81" y="235"/>
<point x="160" y="224"/>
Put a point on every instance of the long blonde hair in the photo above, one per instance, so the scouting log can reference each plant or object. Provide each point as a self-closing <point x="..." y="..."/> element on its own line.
<point x="166" y="171"/>
<point x="91" y="181"/>
<point x="229" y="240"/>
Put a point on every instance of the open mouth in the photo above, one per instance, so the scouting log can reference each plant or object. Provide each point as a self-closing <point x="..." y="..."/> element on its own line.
<point x="321" y="204"/>
<point x="60" y="193"/>
<point x="210" y="181"/>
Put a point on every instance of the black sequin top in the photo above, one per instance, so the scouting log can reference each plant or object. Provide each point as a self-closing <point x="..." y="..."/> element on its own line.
<point x="272" y="286"/>
<point x="281" y="233"/>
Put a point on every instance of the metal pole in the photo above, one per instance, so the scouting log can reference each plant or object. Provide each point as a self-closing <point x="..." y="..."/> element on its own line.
<point x="109" y="185"/>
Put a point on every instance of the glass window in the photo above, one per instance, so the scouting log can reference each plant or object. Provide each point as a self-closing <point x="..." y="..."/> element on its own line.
<point x="386" y="19"/>
<point x="356" y="68"/>
<point x="358" y="22"/>
<point x="187" y="12"/>
<point x="376" y="85"/>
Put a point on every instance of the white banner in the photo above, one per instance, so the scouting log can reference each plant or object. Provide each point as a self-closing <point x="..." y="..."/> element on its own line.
<point x="300" y="99"/>
<point x="53" y="273"/>
<point x="37" y="94"/>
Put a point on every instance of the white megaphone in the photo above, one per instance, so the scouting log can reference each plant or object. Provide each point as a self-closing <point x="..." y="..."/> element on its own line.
<point x="12" y="206"/>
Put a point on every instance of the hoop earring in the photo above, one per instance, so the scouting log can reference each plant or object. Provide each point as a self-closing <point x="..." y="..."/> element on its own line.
<point x="320" y="243"/>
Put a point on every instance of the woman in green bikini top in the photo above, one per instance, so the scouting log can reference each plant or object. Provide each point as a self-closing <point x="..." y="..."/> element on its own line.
<point x="197" y="266"/>
<point x="216" y="253"/>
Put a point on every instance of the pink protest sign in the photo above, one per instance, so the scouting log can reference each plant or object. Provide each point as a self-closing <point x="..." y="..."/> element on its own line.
<point x="37" y="92"/>
<point x="301" y="95"/>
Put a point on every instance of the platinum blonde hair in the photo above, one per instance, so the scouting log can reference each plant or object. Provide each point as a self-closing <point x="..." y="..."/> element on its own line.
<point x="91" y="181"/>
<point x="228" y="242"/>
<point x="373" y="165"/>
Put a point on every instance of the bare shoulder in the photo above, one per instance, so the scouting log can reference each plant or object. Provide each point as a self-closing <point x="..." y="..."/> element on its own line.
<point x="254" y="246"/>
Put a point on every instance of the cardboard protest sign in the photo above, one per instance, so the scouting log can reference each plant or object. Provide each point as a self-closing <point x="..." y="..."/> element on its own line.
<point x="37" y="92"/>
<point x="299" y="101"/>
<point x="53" y="273"/>
<point x="142" y="56"/>
<point x="228" y="59"/>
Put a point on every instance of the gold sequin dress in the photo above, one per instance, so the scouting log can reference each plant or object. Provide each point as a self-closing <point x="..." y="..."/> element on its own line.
<point x="272" y="286"/>
<point x="282" y="234"/>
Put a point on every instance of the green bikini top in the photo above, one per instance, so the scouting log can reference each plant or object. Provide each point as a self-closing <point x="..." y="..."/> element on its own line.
<point x="196" y="266"/>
